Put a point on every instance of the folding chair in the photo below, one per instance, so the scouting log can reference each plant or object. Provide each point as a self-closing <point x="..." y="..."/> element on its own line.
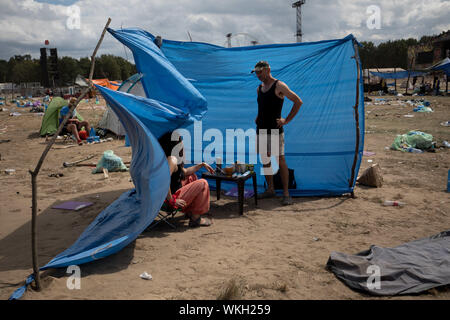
<point x="165" y="214"/>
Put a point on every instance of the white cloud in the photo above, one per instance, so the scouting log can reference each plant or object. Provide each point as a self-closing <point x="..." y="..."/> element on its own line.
<point x="26" y="24"/>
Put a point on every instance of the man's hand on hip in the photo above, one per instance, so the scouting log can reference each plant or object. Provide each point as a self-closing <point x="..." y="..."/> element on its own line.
<point x="281" y="122"/>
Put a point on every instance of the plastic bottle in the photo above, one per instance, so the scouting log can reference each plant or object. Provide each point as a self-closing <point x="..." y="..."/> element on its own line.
<point x="414" y="150"/>
<point x="393" y="203"/>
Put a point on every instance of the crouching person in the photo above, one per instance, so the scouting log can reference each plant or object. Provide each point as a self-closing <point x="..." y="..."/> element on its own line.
<point x="186" y="191"/>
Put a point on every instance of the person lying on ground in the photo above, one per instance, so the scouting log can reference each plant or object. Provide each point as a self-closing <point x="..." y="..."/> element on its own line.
<point x="186" y="191"/>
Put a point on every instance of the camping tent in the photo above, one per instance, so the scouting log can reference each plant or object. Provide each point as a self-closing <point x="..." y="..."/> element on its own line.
<point x="109" y="119"/>
<point x="113" y="85"/>
<point x="50" y="121"/>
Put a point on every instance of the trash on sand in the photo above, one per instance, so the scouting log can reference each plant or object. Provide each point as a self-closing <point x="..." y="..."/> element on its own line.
<point x="10" y="171"/>
<point x="368" y="153"/>
<point x="445" y="124"/>
<point x="445" y="143"/>
<point x="56" y="175"/>
<point x="146" y="276"/>
<point x="72" y="205"/>
<point x="393" y="203"/>
<point x="316" y="239"/>
<point x="413" y="139"/>
<point x="15" y="114"/>
<point x="409" y="116"/>
<point x="370" y="160"/>
<point x="111" y="162"/>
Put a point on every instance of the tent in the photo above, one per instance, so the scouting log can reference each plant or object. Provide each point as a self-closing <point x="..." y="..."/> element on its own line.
<point x="50" y="121"/>
<point x="444" y="65"/>
<point x="324" y="144"/>
<point x="109" y="119"/>
<point x="113" y="85"/>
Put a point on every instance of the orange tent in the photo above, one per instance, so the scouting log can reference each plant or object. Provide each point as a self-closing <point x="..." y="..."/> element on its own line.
<point x="113" y="85"/>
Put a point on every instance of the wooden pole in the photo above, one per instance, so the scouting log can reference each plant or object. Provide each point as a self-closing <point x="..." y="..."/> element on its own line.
<point x="409" y="74"/>
<point x="35" y="173"/>
<point x="395" y="79"/>
<point x="355" y="160"/>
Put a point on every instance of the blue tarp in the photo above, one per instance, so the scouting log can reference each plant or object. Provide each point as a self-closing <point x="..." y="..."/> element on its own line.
<point x="444" y="65"/>
<point x="320" y="141"/>
<point x="398" y="75"/>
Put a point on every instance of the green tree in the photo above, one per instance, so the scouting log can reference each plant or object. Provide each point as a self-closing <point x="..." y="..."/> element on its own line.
<point x="68" y="70"/>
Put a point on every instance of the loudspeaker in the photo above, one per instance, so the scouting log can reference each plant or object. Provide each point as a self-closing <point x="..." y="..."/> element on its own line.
<point x="44" y="71"/>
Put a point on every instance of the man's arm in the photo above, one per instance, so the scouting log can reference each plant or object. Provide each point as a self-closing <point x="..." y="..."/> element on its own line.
<point x="284" y="91"/>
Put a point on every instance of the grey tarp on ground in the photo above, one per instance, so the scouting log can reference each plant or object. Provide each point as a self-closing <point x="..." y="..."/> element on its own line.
<point x="410" y="268"/>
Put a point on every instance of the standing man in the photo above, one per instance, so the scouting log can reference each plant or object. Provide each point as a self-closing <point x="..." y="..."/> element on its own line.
<point x="271" y="93"/>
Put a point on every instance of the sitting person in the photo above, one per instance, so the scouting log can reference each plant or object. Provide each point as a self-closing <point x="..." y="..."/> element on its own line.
<point x="186" y="191"/>
<point x="73" y="125"/>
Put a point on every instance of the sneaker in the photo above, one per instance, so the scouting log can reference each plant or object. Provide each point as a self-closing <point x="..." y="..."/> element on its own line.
<point x="267" y="195"/>
<point x="287" y="201"/>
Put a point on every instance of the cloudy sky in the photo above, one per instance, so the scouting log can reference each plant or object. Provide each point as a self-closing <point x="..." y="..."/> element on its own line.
<point x="74" y="26"/>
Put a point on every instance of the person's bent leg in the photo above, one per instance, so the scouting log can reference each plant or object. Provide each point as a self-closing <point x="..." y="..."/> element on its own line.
<point x="72" y="128"/>
<point x="196" y="194"/>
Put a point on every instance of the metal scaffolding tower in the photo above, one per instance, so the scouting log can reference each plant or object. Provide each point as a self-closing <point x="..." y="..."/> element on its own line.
<point x="298" y="5"/>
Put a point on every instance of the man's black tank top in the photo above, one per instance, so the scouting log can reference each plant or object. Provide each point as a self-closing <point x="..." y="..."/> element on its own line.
<point x="269" y="109"/>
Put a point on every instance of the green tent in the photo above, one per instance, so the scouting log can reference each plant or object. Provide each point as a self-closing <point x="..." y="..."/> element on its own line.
<point x="50" y="122"/>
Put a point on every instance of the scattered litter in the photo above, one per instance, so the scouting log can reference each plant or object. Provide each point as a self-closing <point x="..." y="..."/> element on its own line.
<point x="72" y="205"/>
<point x="393" y="203"/>
<point x="413" y="139"/>
<point x="146" y="276"/>
<point x="316" y="239"/>
<point x="445" y="124"/>
<point x="56" y="175"/>
<point x="10" y="171"/>
<point x="8" y="140"/>
<point x="15" y="114"/>
<point x="368" y="153"/>
<point x="445" y="143"/>
<point x="111" y="162"/>
<point x="370" y="160"/>
<point x="409" y="116"/>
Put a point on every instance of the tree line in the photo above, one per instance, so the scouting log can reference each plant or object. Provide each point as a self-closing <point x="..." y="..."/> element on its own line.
<point x="25" y="69"/>
<point x="391" y="53"/>
<point x="22" y="68"/>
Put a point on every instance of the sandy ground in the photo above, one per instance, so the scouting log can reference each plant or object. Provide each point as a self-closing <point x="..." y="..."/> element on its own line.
<point x="272" y="252"/>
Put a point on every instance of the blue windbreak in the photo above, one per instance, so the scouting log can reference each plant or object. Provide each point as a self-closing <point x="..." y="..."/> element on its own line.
<point x="320" y="141"/>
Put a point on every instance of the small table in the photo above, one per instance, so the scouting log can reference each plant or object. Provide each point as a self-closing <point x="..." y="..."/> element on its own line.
<point x="240" y="183"/>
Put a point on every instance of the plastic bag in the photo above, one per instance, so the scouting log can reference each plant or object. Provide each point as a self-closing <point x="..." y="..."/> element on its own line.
<point x="111" y="162"/>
